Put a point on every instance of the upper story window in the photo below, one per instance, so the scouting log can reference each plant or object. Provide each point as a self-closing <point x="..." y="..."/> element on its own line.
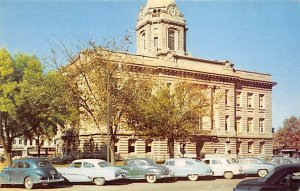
<point x="226" y="97"/>
<point x="261" y="125"/>
<point x="155" y="41"/>
<point x="250" y="100"/>
<point x="171" y="39"/>
<point x="238" y="99"/>
<point x="250" y="125"/>
<point x="261" y="100"/>
<point x="226" y="122"/>
<point x="238" y="124"/>
<point x="143" y="40"/>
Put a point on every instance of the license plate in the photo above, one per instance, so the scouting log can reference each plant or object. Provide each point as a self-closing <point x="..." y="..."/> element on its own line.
<point x="52" y="171"/>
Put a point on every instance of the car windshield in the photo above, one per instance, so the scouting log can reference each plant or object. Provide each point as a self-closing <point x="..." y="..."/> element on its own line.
<point x="103" y="164"/>
<point x="43" y="164"/>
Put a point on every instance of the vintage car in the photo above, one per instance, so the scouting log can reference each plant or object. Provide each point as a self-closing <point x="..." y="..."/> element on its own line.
<point x="223" y="167"/>
<point x="255" y="166"/>
<point x="145" y="168"/>
<point x="91" y="170"/>
<point x="190" y="168"/>
<point x="280" y="160"/>
<point x="283" y="178"/>
<point x="30" y="172"/>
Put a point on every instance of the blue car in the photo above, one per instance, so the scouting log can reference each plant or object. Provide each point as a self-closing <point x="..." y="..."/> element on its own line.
<point x="30" y="172"/>
<point x="190" y="168"/>
<point x="255" y="166"/>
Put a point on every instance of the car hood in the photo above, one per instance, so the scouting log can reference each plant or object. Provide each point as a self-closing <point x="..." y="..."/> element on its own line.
<point x="250" y="182"/>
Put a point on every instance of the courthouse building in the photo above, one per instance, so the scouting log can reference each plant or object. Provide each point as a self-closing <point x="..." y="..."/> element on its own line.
<point x="240" y="123"/>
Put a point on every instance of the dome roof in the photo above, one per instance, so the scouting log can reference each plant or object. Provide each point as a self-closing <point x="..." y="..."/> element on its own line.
<point x="159" y="3"/>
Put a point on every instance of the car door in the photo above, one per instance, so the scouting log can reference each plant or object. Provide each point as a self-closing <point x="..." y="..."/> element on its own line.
<point x="75" y="173"/>
<point x="181" y="168"/>
<point x="171" y="165"/>
<point x="133" y="169"/>
<point x="17" y="173"/>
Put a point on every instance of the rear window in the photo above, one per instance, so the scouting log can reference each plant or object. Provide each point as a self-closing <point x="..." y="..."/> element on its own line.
<point x="43" y="164"/>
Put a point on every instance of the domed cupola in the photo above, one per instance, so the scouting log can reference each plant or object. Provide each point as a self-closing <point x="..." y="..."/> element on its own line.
<point x="161" y="29"/>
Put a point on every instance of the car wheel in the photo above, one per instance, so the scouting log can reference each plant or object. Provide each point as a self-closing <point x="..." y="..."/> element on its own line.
<point x="151" y="178"/>
<point x="262" y="173"/>
<point x="193" y="177"/>
<point x="99" y="181"/>
<point x="28" y="183"/>
<point x="228" y="175"/>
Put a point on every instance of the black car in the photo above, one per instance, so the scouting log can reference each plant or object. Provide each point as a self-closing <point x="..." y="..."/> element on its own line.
<point x="283" y="178"/>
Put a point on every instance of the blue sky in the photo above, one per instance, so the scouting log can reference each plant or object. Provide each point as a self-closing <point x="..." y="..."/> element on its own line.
<point x="257" y="35"/>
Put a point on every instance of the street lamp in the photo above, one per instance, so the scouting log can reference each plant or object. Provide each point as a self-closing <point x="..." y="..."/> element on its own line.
<point x="109" y="75"/>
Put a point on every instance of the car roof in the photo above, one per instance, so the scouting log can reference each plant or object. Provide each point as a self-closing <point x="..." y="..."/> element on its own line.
<point x="89" y="160"/>
<point x="282" y="170"/>
<point x="177" y="159"/>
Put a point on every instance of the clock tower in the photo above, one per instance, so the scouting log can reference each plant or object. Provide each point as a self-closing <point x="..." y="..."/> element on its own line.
<point x="161" y="29"/>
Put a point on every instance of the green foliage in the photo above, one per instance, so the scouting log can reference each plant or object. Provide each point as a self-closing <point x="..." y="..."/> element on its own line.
<point x="169" y="112"/>
<point x="31" y="102"/>
<point x="289" y="134"/>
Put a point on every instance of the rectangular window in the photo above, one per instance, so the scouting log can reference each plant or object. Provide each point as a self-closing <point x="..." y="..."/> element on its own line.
<point x="226" y="97"/>
<point x="261" y="101"/>
<point x="171" y="39"/>
<point x="261" y="125"/>
<point x="238" y="99"/>
<point x="249" y="100"/>
<point x="20" y="141"/>
<point x="249" y="125"/>
<point x="238" y="124"/>
<point x="250" y="147"/>
<point x="155" y="41"/>
<point x="148" y="146"/>
<point x="261" y="147"/>
<point x="131" y="146"/>
<point x="226" y="122"/>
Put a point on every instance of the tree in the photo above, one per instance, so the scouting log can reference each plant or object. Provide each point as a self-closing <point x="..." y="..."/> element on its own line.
<point x="30" y="101"/>
<point x="100" y="84"/>
<point x="171" y="113"/>
<point x="289" y="134"/>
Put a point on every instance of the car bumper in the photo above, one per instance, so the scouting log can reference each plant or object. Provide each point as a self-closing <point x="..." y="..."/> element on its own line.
<point x="50" y="181"/>
<point x="160" y="176"/>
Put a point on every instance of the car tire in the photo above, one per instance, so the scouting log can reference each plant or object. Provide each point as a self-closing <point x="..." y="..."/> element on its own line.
<point x="228" y="175"/>
<point x="193" y="177"/>
<point x="151" y="178"/>
<point x="262" y="172"/>
<point x="28" y="183"/>
<point x="99" y="181"/>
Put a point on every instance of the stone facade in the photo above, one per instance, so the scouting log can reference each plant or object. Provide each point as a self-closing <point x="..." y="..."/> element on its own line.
<point x="240" y="123"/>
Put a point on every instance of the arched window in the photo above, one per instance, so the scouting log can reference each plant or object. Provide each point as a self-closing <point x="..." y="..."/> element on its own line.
<point x="143" y="39"/>
<point x="171" y="39"/>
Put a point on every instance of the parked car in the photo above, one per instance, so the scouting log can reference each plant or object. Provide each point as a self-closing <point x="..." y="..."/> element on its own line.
<point x="251" y="165"/>
<point x="222" y="167"/>
<point x="91" y="170"/>
<point x="145" y="168"/>
<point x="30" y="172"/>
<point x="280" y="160"/>
<point x="283" y="178"/>
<point x="190" y="168"/>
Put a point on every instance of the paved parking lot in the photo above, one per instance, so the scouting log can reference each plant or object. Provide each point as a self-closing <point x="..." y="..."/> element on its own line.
<point x="219" y="184"/>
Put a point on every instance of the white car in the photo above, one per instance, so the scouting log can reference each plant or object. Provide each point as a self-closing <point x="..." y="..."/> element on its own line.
<point x="222" y="167"/>
<point x="190" y="168"/>
<point x="91" y="170"/>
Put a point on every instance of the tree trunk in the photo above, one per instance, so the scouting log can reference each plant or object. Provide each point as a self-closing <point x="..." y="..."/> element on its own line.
<point x="8" y="152"/>
<point x="112" y="150"/>
<point x="171" y="147"/>
<point x="38" y="146"/>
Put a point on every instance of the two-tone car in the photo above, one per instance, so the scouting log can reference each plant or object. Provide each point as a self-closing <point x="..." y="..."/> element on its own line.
<point x="91" y="170"/>
<point x="255" y="166"/>
<point x="30" y="172"/>
<point x="145" y="168"/>
<point x="223" y="167"/>
<point x="187" y="167"/>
